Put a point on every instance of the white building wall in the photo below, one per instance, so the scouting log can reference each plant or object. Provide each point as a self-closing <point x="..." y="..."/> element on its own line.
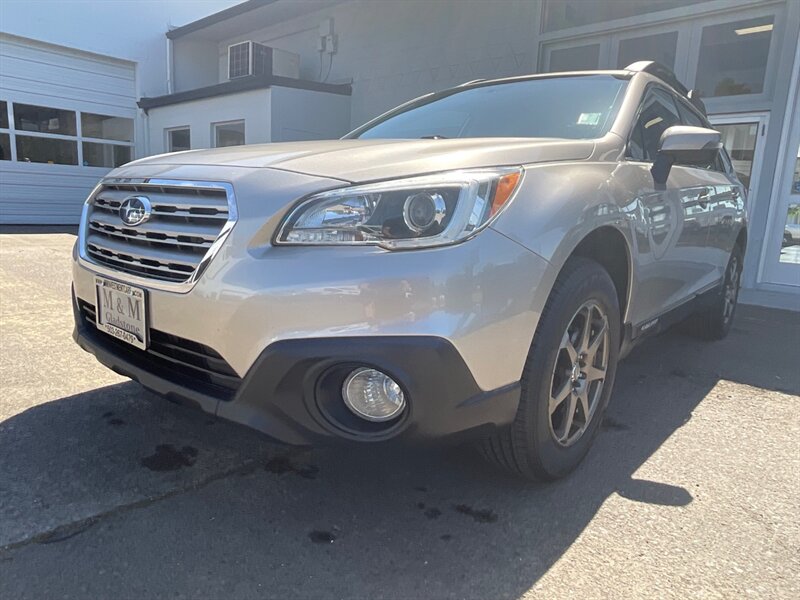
<point x="128" y="29"/>
<point x="307" y="115"/>
<point x="199" y="115"/>
<point x="43" y="74"/>
<point x="395" y="51"/>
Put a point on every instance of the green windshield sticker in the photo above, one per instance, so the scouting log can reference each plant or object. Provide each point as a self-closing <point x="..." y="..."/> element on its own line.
<point x="589" y="119"/>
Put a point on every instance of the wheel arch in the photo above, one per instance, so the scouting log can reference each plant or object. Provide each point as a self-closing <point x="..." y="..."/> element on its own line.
<point x="609" y="247"/>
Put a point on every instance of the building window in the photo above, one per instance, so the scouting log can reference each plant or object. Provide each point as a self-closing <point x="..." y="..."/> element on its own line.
<point x="5" y="146"/>
<point x="733" y="57"/>
<point x="661" y="48"/>
<point x="578" y="58"/>
<point x="5" y="137"/>
<point x="50" y="135"/>
<point x="48" y="150"/>
<point x="563" y="14"/>
<point x="178" y="139"/>
<point x="44" y="119"/>
<point x="105" y="155"/>
<point x="228" y="134"/>
<point x="104" y="127"/>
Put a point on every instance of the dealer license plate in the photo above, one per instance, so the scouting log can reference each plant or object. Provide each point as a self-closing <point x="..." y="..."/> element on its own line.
<point x="121" y="311"/>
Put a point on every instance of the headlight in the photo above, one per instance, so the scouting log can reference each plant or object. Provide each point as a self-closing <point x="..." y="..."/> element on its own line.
<point x="417" y="212"/>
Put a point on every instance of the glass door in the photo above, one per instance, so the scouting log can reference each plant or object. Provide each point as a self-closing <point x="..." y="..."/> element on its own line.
<point x="782" y="253"/>
<point x="743" y="137"/>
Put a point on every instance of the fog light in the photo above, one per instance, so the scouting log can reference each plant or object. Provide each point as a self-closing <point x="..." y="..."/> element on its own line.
<point x="373" y="395"/>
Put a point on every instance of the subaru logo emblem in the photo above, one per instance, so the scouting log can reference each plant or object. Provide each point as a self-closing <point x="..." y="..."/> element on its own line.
<point x="135" y="210"/>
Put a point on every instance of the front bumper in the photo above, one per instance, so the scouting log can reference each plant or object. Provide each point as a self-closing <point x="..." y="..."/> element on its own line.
<point x="292" y="392"/>
<point x="454" y="323"/>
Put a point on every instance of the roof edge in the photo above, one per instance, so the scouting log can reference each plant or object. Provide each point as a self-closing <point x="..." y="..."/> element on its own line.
<point x="244" y="84"/>
<point x="218" y="17"/>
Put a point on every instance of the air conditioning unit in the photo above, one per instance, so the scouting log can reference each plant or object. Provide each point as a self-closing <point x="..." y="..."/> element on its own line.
<point x="251" y="58"/>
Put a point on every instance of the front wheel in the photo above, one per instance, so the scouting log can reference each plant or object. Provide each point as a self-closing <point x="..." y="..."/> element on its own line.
<point x="567" y="379"/>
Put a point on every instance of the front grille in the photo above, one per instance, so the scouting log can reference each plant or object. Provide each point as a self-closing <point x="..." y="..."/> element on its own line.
<point x="185" y="221"/>
<point x="188" y="363"/>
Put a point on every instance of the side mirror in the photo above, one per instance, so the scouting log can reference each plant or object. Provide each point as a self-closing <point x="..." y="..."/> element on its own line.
<point x="685" y="145"/>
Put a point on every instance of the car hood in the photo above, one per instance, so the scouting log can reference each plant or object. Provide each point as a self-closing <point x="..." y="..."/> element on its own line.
<point x="367" y="160"/>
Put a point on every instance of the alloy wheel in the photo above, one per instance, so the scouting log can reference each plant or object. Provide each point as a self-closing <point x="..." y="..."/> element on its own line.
<point x="731" y="291"/>
<point x="579" y="374"/>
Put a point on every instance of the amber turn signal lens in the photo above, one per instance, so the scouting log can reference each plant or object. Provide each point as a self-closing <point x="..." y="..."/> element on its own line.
<point x="505" y="187"/>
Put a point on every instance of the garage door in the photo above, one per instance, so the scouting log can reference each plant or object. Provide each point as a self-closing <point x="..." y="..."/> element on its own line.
<point x="66" y="118"/>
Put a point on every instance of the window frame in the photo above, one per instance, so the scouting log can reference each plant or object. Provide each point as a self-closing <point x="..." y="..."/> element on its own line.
<point x="229" y="122"/>
<point x="78" y="138"/>
<point x="9" y="131"/>
<point x="168" y="137"/>
<point x="639" y="108"/>
<point x="689" y="24"/>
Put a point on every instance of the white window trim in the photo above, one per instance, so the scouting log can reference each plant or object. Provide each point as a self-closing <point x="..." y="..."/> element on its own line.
<point x="231" y="122"/>
<point x="169" y="130"/>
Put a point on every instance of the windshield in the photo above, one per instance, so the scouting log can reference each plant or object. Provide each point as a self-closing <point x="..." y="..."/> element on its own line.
<point x="573" y="107"/>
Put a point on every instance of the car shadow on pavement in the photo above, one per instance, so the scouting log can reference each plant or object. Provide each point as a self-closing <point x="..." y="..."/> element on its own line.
<point x="157" y="499"/>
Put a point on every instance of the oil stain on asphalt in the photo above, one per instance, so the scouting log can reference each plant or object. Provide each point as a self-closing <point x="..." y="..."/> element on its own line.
<point x="281" y="464"/>
<point x="321" y="537"/>
<point x="169" y="458"/>
<point x="483" y="515"/>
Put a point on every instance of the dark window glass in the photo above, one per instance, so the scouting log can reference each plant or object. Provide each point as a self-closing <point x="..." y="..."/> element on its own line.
<point x="105" y="155"/>
<point x="5" y="146"/>
<point x="689" y="117"/>
<point x="561" y="14"/>
<point x="106" y="128"/>
<point x="579" y="58"/>
<point x="733" y="57"/>
<point x="3" y="114"/>
<point x="228" y="134"/>
<point x="178" y="140"/>
<point x="46" y="150"/>
<point x="658" y="113"/>
<point x="577" y="107"/>
<point x="43" y="119"/>
<point x="660" y="48"/>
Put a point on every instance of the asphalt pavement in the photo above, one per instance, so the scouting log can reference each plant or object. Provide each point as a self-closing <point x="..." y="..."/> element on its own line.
<point x="107" y="491"/>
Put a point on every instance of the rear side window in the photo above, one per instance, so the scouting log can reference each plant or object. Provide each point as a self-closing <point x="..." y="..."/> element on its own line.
<point x="657" y="114"/>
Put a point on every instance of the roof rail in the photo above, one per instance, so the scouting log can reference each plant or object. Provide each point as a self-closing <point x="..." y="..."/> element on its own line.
<point x="666" y="75"/>
<point x="466" y="83"/>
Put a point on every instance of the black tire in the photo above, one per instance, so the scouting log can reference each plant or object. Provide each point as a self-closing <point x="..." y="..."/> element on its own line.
<point x="715" y="321"/>
<point x="530" y="448"/>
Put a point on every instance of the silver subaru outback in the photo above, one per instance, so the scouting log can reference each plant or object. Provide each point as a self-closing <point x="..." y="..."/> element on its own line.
<point x="470" y="265"/>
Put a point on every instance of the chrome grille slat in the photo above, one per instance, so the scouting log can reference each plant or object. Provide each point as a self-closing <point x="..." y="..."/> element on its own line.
<point x="159" y="273"/>
<point x="142" y="238"/>
<point x="174" y="245"/>
<point x="140" y="252"/>
<point x="179" y="201"/>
